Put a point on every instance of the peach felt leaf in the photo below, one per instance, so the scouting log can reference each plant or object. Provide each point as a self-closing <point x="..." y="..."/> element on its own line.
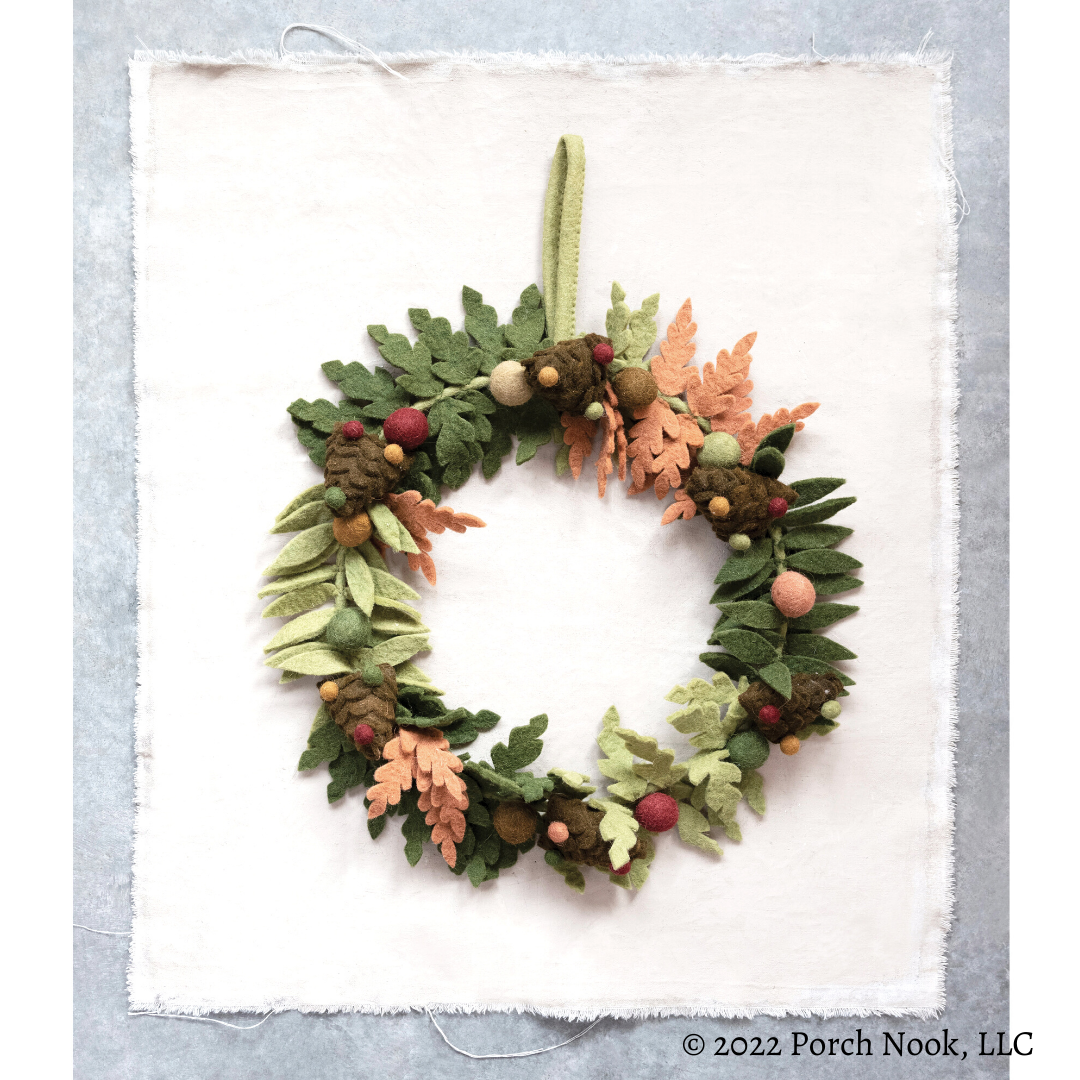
<point x="419" y="515"/>
<point x="675" y="455"/>
<point x="655" y="423"/>
<point x="614" y="440"/>
<point x="578" y="436"/>
<point x="683" y="507"/>
<point x="676" y="351"/>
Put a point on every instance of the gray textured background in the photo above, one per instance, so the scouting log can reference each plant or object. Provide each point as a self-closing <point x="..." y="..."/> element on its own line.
<point x="111" y="1044"/>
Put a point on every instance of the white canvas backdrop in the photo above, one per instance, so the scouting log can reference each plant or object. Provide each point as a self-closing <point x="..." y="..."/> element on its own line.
<point x="280" y="208"/>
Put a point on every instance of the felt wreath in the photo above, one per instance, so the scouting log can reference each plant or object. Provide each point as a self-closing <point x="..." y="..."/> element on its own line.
<point x="391" y="445"/>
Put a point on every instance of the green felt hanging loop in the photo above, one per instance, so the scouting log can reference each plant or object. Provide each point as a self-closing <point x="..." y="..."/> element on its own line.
<point x="562" y="236"/>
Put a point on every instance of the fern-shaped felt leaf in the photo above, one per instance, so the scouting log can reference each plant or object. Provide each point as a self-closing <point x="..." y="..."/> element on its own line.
<point x="619" y="827"/>
<point x="702" y="713"/>
<point x="523" y="746"/>
<point x="661" y="771"/>
<point x="526" y="330"/>
<point x="639" y="868"/>
<point x="618" y="319"/>
<point x="619" y="763"/>
<point x="471" y="727"/>
<point x="721" y="794"/>
<point x="348" y="770"/>
<point x="570" y="872"/>
<point x="693" y="829"/>
<point x="414" y="828"/>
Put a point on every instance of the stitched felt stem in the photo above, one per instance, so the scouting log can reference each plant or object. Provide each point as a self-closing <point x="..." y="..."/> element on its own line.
<point x="476" y="384"/>
<point x="779" y="554"/>
<point x="562" y="236"/>
<point x="339" y="581"/>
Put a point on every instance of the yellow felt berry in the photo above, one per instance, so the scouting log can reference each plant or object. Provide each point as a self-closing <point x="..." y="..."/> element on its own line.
<point x="352" y="531"/>
<point x="790" y="744"/>
<point x="328" y="691"/>
<point x="548" y="377"/>
<point x="394" y="454"/>
<point x="719" y="507"/>
<point x="557" y="832"/>
<point x="508" y="384"/>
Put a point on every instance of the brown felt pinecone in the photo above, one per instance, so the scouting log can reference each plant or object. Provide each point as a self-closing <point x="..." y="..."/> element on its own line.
<point x="358" y="467"/>
<point x="808" y="693"/>
<point x="584" y="844"/>
<point x="358" y="703"/>
<point x="748" y="494"/>
<point x="581" y="378"/>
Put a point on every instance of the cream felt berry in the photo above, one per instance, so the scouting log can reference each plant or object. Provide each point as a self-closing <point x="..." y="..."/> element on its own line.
<point x="509" y="385"/>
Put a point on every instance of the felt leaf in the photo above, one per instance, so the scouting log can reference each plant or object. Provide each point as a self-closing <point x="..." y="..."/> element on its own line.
<point x="321" y="414"/>
<point x="614" y="439"/>
<point x="618" y="319"/>
<point x="703" y="702"/>
<point x="815" y="536"/>
<point x="390" y="587"/>
<point x="619" y="827"/>
<point x="619" y="763"/>
<point x="804" y="664"/>
<point x="360" y="385"/>
<point x="297" y="600"/>
<point x="418" y="516"/>
<point x="578" y="436"/>
<point x="820" y="726"/>
<point x="526" y="329"/>
<point x="670" y="464"/>
<point x="732" y="590"/>
<point x="313" y="543"/>
<point x="389" y="529"/>
<point x="727" y="664"/>
<point x="573" y="876"/>
<point x="683" y="507"/>
<point x="692" y="829"/>
<point x="360" y="581"/>
<point x="778" y="439"/>
<point x="325" y="741"/>
<point x="397" y="608"/>
<point x="752" y="786"/>
<point x="818" y="646"/>
<point x="408" y="674"/>
<point x="482" y="323"/>
<point x="810" y="515"/>
<point x="299" y="581"/>
<point x="303" y="628"/>
<point x="721" y="794"/>
<point x="831" y="584"/>
<point x="398" y="649"/>
<point x="823" y="561"/>
<point x="471" y="727"/>
<point x="568" y="782"/>
<point x="525" y="746"/>
<point x="816" y="488"/>
<point x="414" y="828"/>
<point x="751" y="436"/>
<point x="311" y="441"/>
<point x="373" y="557"/>
<point x="312" y="513"/>
<point x="642" y="330"/>
<point x="314" y="658"/>
<point x="498" y="446"/>
<point x="745" y="564"/>
<point x="756" y="613"/>
<point x="661" y="772"/>
<point x="533" y="424"/>
<point x="676" y="352"/>
<point x="821" y="615"/>
<point x="657" y="427"/>
<point x="314" y="493"/>
<point x="639" y="868"/>
<point x="346" y="771"/>
<point x="778" y="676"/>
<point x="749" y="647"/>
<point x="390" y="625"/>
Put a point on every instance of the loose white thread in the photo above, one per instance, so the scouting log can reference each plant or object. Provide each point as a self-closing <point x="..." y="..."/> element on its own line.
<point x="203" y="1019"/>
<point x="824" y="59"/>
<point x="521" y="1054"/>
<point x="341" y="39"/>
<point x="111" y="933"/>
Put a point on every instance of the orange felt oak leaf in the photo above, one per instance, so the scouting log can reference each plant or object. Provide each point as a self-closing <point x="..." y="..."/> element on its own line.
<point x="722" y="393"/>
<point x="750" y="434"/>
<point x="614" y="438"/>
<point x="655" y="423"/>
<point x="418" y="515"/>
<point x="675" y="456"/>
<point x="676" y="351"/>
<point x="578" y="436"/>
<point x="683" y="507"/>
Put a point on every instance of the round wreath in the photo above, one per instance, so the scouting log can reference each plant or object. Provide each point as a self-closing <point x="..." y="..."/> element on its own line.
<point x="394" y="441"/>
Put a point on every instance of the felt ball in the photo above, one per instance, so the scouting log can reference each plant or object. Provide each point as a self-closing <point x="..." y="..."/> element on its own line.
<point x="558" y="833"/>
<point x="406" y="427"/>
<point x="352" y="429"/>
<point x="657" y="812"/>
<point x="348" y="630"/>
<point x="603" y="353"/>
<point x="508" y="384"/>
<point x="328" y="691"/>
<point x="635" y="388"/>
<point x="548" y="377"/>
<point x="720" y="451"/>
<point x="719" y="507"/>
<point x="790" y="744"/>
<point x="768" y="714"/>
<point x="363" y="734"/>
<point x="594" y="411"/>
<point x="394" y="454"/>
<point x="352" y="531"/>
<point x="515" y="822"/>
<point x="793" y="594"/>
<point x="777" y="507"/>
<point x="830" y="710"/>
<point x="748" y="749"/>
<point x="335" y="498"/>
<point x="739" y="541"/>
<point x="623" y="870"/>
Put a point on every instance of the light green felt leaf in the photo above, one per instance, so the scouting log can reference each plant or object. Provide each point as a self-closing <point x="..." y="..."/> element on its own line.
<point x="618" y="319"/>
<point x="815" y="536"/>
<point x="390" y="587"/>
<point x="310" y="544"/>
<point x="408" y="674"/>
<point x="778" y="677"/>
<point x="756" y="613"/>
<point x="661" y="772"/>
<point x="721" y="794"/>
<point x="702" y="713"/>
<point x="372" y="557"/>
<point x="642" y="330"/>
<point x="823" y="561"/>
<point x="562" y="460"/>
<point x="398" y="649"/>
<point x="312" y="658"/>
<point x="395" y="624"/>
<point x="821" y="615"/>
<point x="817" y="646"/>
<point x="571" y="783"/>
<point x="752" y="785"/>
<point x="390" y="530"/>
<point x="304" y="517"/>
<point x="299" y="581"/>
<point x="292" y="603"/>
<point x="303" y="628"/>
<point x="749" y="647"/>
<point x="693" y="826"/>
<point x="398" y="607"/>
<point x="619" y="827"/>
<point x="619" y="763"/>
<point x="314" y="493"/>
<point x="360" y="581"/>
<point x="574" y="878"/>
<point x="289" y="676"/>
<point x="524" y="746"/>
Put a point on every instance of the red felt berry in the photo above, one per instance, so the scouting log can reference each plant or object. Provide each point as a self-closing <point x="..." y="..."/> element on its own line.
<point x="777" y="507"/>
<point x="603" y="353"/>
<point x="768" y="714"/>
<point x="657" y="812"/>
<point x="622" y="871"/>
<point x="363" y="734"/>
<point x="352" y="429"/>
<point x="406" y="427"/>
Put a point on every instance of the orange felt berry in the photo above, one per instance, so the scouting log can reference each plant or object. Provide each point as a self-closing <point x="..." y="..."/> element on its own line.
<point x="328" y="691"/>
<point x="793" y="594"/>
<point x="719" y="507"/>
<point x="352" y="531"/>
<point x="547" y="376"/>
<point x="790" y="744"/>
<point x="394" y="454"/>
<point x="557" y="832"/>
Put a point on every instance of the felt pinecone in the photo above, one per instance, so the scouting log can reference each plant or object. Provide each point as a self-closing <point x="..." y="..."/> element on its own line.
<point x="357" y="703"/>
<point x="359" y="468"/>
<point x="747" y="493"/>
<point x="584" y="844"/>
<point x="809" y="692"/>
<point x="581" y="378"/>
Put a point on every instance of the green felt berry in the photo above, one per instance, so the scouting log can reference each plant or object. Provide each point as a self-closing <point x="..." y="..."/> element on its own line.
<point x="719" y="451"/>
<point x="748" y="749"/>
<point x="348" y="630"/>
<point x="768" y="461"/>
<point x="371" y="674"/>
<point x="335" y="498"/>
<point x="739" y="541"/>
<point x="594" y="411"/>
<point x="830" y="710"/>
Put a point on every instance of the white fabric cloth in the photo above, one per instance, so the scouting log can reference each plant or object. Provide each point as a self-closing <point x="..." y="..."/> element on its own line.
<point x="280" y="207"/>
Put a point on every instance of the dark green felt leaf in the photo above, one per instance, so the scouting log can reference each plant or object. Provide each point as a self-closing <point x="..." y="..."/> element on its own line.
<point x="749" y="647"/>
<point x="728" y="664"/>
<point x="732" y="590"/>
<point x="416" y="832"/>
<point x="796" y="664"/>
<point x="533" y="424"/>
<point x="778" y="677"/>
<point x="346" y="771"/>
<point x="823" y="561"/>
<point x="780" y="439"/>
<point x="818" y="646"/>
<point x="815" y="536"/>
<point x="325" y="741"/>
<point x="314" y="443"/>
<point x="756" y="613"/>
<point x="822" y="615"/>
<point x="375" y="826"/>
<point x="831" y="584"/>
<point x="746" y="564"/>
<point x="362" y="385"/>
<point x="524" y="334"/>
<point x="476" y="868"/>
<point x="816" y="488"/>
<point x="525" y="746"/>
<point x="810" y="515"/>
<point x="469" y="729"/>
<point x="321" y="414"/>
<point x="498" y="446"/>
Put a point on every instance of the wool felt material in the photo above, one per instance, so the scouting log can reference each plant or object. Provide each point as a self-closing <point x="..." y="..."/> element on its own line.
<point x="562" y="235"/>
<point x="254" y="264"/>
